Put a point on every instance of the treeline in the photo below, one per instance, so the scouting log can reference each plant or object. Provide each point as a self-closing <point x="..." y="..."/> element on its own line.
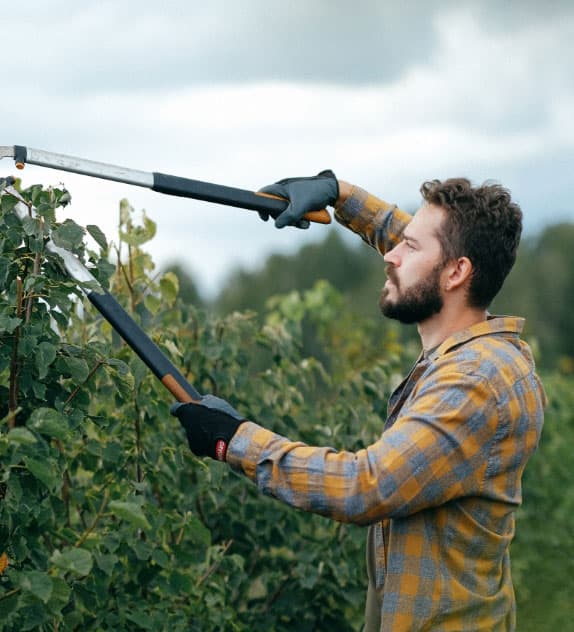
<point x="540" y="287"/>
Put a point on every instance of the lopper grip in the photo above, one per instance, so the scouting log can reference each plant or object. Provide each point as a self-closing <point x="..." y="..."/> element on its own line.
<point x="230" y="196"/>
<point x="318" y="217"/>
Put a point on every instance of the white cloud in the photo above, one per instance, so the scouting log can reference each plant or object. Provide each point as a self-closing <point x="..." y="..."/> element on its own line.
<point x="482" y="102"/>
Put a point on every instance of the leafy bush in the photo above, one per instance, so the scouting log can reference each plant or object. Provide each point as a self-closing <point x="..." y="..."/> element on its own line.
<point x="106" y="520"/>
<point x="543" y="551"/>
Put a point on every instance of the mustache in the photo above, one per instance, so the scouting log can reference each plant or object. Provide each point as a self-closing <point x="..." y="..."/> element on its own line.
<point x="391" y="275"/>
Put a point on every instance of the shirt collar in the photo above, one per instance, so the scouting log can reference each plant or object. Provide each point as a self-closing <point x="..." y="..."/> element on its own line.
<point x="492" y="325"/>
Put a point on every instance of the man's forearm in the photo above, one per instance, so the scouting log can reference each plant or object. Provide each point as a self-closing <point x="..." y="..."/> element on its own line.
<point x="345" y="190"/>
<point x="377" y="222"/>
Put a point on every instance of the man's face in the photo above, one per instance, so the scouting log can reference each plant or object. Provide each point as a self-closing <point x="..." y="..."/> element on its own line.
<point x="412" y="292"/>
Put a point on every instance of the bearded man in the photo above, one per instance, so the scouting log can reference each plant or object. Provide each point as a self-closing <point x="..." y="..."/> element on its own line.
<point x="440" y="487"/>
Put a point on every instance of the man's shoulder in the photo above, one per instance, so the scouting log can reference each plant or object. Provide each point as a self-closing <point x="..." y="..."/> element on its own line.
<point x="500" y="358"/>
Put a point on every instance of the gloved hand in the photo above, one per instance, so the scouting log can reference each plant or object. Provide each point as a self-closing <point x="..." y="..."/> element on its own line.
<point x="304" y="194"/>
<point x="209" y="425"/>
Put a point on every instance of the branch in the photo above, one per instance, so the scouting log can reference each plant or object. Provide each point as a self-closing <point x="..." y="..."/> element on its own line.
<point x="75" y="392"/>
<point x="36" y="270"/>
<point x="14" y="364"/>
<point x="215" y="564"/>
<point x="10" y="593"/>
<point x="138" y="445"/>
<point x="98" y="517"/>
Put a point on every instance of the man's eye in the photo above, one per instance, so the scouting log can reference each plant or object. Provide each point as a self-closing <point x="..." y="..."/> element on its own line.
<point x="410" y="245"/>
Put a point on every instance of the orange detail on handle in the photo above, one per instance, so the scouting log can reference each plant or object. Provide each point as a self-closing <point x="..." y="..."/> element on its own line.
<point x="318" y="217"/>
<point x="20" y="165"/>
<point x="175" y="389"/>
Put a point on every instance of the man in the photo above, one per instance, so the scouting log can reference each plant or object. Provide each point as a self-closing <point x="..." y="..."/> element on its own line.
<point x="440" y="487"/>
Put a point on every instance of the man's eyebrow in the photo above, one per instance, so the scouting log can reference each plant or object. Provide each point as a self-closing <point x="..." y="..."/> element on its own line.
<point x="409" y="238"/>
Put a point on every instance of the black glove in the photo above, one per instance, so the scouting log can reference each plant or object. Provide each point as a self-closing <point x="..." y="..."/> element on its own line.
<point x="304" y="194"/>
<point x="209" y="425"/>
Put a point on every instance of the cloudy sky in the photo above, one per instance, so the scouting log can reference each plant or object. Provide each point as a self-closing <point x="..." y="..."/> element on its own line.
<point x="385" y="93"/>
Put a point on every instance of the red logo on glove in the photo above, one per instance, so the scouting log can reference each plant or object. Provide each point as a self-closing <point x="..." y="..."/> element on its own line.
<point x="220" y="450"/>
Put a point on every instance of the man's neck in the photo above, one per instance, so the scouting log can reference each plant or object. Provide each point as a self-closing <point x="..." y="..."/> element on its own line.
<point x="436" y="329"/>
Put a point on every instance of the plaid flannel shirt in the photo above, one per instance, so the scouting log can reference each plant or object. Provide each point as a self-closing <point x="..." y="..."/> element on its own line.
<point x="440" y="487"/>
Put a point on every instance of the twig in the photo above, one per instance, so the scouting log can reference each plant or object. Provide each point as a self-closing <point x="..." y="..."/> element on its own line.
<point x="20" y="199"/>
<point x="215" y="564"/>
<point x="36" y="271"/>
<point x="122" y="269"/>
<point x="14" y="364"/>
<point x="100" y="513"/>
<point x="131" y="281"/>
<point x="75" y="392"/>
<point x="138" y="445"/>
<point x="8" y="594"/>
<point x="273" y="598"/>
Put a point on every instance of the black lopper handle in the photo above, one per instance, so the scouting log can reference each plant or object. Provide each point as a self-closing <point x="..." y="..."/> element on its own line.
<point x="140" y="342"/>
<point x="230" y="196"/>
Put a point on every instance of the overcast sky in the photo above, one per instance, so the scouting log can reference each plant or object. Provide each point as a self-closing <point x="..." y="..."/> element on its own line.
<point x="387" y="94"/>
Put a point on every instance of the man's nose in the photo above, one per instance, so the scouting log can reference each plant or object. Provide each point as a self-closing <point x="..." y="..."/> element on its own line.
<point x="392" y="257"/>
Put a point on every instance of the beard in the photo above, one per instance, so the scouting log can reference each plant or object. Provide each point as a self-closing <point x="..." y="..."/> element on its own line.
<point x="417" y="303"/>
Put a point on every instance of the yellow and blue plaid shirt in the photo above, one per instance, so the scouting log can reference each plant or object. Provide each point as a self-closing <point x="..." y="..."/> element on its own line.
<point x="440" y="487"/>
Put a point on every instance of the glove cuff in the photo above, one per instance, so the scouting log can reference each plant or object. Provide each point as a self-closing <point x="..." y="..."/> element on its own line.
<point x="329" y="174"/>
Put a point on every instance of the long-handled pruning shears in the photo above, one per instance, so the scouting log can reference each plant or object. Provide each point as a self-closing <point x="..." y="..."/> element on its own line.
<point x="160" y="182"/>
<point x="104" y="302"/>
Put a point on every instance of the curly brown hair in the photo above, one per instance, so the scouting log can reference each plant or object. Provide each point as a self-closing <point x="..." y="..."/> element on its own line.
<point x="481" y="223"/>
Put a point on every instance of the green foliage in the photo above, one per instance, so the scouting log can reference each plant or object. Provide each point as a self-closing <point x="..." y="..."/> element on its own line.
<point x="188" y="291"/>
<point x="332" y="260"/>
<point x="543" y="551"/>
<point x="108" y="522"/>
<point x="540" y="287"/>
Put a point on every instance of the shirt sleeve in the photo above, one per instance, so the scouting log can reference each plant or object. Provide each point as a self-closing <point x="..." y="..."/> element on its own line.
<point x="437" y="450"/>
<point x="378" y="223"/>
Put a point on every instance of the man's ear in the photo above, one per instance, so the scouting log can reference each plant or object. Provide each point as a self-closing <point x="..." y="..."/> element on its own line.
<point x="458" y="272"/>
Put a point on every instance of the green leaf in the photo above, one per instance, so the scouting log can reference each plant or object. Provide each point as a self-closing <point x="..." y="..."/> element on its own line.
<point x="8" y="203"/>
<point x="198" y="532"/>
<point x="60" y="595"/>
<point x="135" y="235"/>
<point x="8" y="324"/>
<point x="37" y="583"/>
<point x="44" y="356"/>
<point x="169" y="287"/>
<point x="77" y="368"/>
<point x="98" y="236"/>
<point x="31" y="226"/>
<point x="76" y="560"/>
<point x="131" y="512"/>
<point x="5" y="264"/>
<point x="160" y="558"/>
<point x="126" y="211"/>
<point x="21" y="436"/>
<point x="142" y="549"/>
<point x="141" y="619"/>
<point x="106" y="562"/>
<point x="34" y="612"/>
<point x="152" y="303"/>
<point x="112" y="452"/>
<point x="45" y="471"/>
<point x="8" y="605"/>
<point x="68" y="235"/>
<point x="49" y="422"/>
<point x="171" y="347"/>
